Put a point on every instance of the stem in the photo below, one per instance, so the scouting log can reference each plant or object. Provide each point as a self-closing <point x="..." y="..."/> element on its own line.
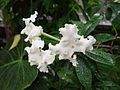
<point x="50" y="36"/>
<point x="102" y="45"/>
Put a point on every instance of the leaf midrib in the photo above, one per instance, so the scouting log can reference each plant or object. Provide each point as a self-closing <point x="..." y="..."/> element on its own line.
<point x="10" y="63"/>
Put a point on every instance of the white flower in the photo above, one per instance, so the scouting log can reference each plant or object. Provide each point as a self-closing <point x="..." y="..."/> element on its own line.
<point x="36" y="56"/>
<point x="65" y="52"/>
<point x="35" y="32"/>
<point x="28" y="28"/>
<point x="29" y="24"/>
<point x="37" y="43"/>
<point x="31" y="19"/>
<point x="31" y="30"/>
<point x="46" y="59"/>
<point x="33" y="55"/>
<point x="85" y="44"/>
<point x="70" y="33"/>
<point x="71" y="42"/>
<point x="65" y="48"/>
<point x="40" y="58"/>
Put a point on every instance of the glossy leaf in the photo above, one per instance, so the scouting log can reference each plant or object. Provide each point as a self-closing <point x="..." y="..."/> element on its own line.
<point x="86" y="29"/>
<point x="3" y="3"/>
<point x="90" y="25"/>
<point x="39" y="84"/>
<point x="100" y="38"/>
<point x="107" y="72"/>
<point x="67" y="75"/>
<point x="15" y="73"/>
<point x="101" y="57"/>
<point x="107" y="85"/>
<point x="116" y="23"/>
<point x="83" y="73"/>
<point x="93" y="9"/>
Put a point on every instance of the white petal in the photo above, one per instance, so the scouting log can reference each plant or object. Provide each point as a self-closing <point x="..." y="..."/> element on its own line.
<point x="37" y="42"/>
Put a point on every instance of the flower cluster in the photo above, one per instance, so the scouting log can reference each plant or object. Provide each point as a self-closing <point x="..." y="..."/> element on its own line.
<point x="70" y="43"/>
<point x="37" y="56"/>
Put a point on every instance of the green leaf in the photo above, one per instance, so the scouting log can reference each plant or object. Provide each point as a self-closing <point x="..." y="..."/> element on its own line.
<point x="107" y="72"/>
<point x="15" y="73"/>
<point x="90" y="25"/>
<point x="85" y="29"/>
<point x="67" y="75"/>
<point x="3" y="3"/>
<point x="65" y="71"/>
<point x="115" y="8"/>
<point x="83" y="73"/>
<point x="40" y="83"/>
<point x="107" y="85"/>
<point x="100" y="38"/>
<point x="118" y="1"/>
<point x="93" y="9"/>
<point x="101" y="57"/>
<point x="116" y="22"/>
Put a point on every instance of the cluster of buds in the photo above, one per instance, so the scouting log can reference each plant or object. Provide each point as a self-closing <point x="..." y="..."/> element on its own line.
<point x="70" y="43"/>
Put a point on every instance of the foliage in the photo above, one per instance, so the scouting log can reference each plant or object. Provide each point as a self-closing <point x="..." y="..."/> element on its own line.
<point x="98" y="69"/>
